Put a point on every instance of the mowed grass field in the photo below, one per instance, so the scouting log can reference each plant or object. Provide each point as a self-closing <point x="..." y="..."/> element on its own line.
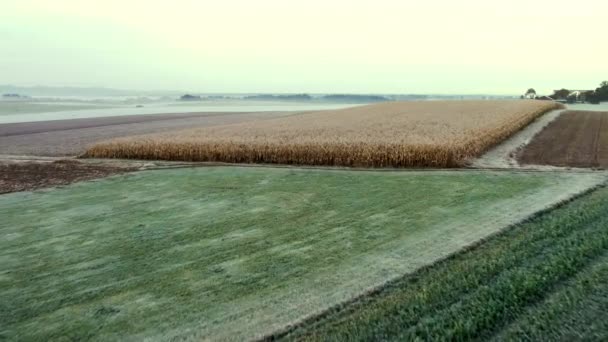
<point x="543" y="280"/>
<point x="235" y="253"/>
<point x="392" y="134"/>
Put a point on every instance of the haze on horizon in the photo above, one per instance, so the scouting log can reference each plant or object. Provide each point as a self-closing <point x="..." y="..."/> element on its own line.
<point x="380" y="46"/>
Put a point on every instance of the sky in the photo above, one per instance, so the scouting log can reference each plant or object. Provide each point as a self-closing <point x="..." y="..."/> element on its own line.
<point x="313" y="46"/>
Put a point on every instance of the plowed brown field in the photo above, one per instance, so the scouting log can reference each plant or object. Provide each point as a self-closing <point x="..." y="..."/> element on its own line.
<point x="575" y="139"/>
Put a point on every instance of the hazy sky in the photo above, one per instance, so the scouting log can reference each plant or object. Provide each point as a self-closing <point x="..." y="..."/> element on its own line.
<point x="364" y="46"/>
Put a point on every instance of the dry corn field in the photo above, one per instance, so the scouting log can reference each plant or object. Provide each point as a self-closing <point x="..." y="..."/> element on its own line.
<point x="392" y="134"/>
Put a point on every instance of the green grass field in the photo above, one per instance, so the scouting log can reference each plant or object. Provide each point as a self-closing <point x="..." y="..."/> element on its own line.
<point x="241" y="252"/>
<point x="544" y="280"/>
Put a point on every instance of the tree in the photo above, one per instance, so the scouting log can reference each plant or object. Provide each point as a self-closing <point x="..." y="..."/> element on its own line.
<point x="591" y="97"/>
<point x="531" y="93"/>
<point x="572" y="98"/>
<point x="561" y="94"/>
<point x="189" y="97"/>
<point x="602" y="91"/>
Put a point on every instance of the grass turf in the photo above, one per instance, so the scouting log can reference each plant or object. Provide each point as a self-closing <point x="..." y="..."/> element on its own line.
<point x="238" y="252"/>
<point x="545" y="279"/>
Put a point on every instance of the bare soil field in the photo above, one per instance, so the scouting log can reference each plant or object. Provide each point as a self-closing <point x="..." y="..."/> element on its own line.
<point x="575" y="139"/>
<point x="27" y="176"/>
<point x="72" y="137"/>
<point x="393" y="134"/>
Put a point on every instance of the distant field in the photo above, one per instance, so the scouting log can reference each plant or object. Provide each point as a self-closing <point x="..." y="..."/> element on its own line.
<point x="575" y="138"/>
<point x="393" y="134"/>
<point x="544" y="280"/>
<point x="72" y="137"/>
<point x="26" y="107"/>
<point x="237" y="252"/>
<point x="31" y="111"/>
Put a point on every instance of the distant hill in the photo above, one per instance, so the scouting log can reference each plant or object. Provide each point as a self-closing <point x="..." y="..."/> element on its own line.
<point x="269" y="97"/>
<point x="345" y="98"/>
<point x="189" y="97"/>
<point x="93" y="92"/>
<point x="341" y="98"/>
<point x="79" y="91"/>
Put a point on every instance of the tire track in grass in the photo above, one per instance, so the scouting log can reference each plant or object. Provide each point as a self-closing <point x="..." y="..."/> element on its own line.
<point x="481" y="311"/>
<point x="572" y="306"/>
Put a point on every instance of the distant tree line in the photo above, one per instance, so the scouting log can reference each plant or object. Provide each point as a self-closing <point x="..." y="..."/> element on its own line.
<point x="189" y="97"/>
<point x="601" y="93"/>
<point x="338" y="98"/>
<point x="593" y="96"/>
<point x="13" y="96"/>
<point x="291" y="97"/>
<point x="342" y="98"/>
<point x="598" y="95"/>
<point x="355" y="98"/>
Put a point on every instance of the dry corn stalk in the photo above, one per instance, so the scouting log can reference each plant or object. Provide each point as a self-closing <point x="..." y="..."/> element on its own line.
<point x="392" y="134"/>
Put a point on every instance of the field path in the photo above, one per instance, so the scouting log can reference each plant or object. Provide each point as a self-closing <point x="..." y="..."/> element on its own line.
<point x="503" y="156"/>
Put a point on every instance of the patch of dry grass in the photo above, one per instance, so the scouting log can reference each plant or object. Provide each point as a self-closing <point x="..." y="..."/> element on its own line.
<point x="392" y="134"/>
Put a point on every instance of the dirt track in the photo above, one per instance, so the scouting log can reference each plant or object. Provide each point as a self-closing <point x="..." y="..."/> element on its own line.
<point x="575" y="139"/>
<point x="503" y="156"/>
<point x="71" y="137"/>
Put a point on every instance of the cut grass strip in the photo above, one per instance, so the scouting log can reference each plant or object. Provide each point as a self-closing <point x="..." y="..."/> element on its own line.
<point x="475" y="294"/>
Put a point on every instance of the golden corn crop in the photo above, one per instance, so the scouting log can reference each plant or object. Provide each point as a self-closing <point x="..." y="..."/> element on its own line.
<point x="392" y="134"/>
